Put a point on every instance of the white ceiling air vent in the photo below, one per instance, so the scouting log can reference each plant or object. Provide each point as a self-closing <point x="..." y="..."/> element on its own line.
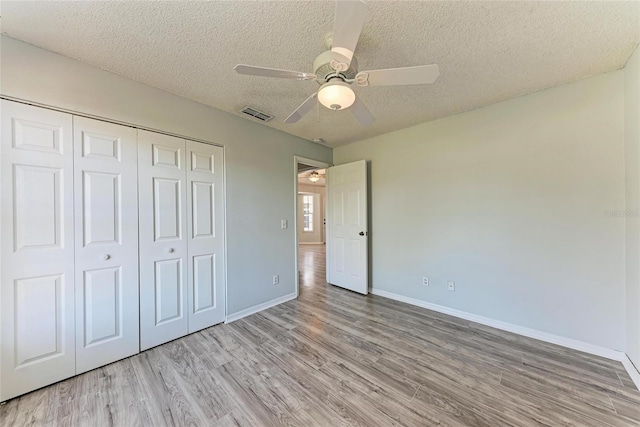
<point x="256" y="114"/>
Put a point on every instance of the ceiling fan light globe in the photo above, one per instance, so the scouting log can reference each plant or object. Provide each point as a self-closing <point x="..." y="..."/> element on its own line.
<point x="314" y="176"/>
<point x="336" y="95"/>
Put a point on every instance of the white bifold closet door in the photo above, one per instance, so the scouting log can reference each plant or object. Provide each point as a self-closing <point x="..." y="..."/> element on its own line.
<point x="182" y="268"/>
<point x="163" y="238"/>
<point x="111" y="241"/>
<point x="205" y="201"/>
<point x="106" y="242"/>
<point x="37" y="249"/>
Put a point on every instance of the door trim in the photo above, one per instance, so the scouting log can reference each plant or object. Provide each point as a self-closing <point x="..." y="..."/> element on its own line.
<point x="311" y="162"/>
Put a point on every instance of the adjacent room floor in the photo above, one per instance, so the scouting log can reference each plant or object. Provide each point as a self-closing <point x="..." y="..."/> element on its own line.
<point x="333" y="357"/>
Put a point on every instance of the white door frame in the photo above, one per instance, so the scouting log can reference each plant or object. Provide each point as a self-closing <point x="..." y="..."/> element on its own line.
<point x="311" y="162"/>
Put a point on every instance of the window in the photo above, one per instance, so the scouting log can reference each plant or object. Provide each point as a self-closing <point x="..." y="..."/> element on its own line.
<point x="307" y="213"/>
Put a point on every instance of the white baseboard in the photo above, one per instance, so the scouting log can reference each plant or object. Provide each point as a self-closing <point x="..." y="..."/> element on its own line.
<point x="509" y="327"/>
<point x="257" y="308"/>
<point x="631" y="370"/>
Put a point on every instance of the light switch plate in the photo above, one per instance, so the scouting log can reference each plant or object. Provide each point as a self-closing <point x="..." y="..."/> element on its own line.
<point x="284" y="224"/>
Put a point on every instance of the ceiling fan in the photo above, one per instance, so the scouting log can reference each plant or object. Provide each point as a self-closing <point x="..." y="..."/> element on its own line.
<point x="314" y="176"/>
<point x="337" y="69"/>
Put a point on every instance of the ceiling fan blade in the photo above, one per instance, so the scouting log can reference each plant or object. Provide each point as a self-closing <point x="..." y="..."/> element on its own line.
<point x="302" y="110"/>
<point x="421" y="74"/>
<point x="251" y="70"/>
<point x="361" y="112"/>
<point x="350" y="17"/>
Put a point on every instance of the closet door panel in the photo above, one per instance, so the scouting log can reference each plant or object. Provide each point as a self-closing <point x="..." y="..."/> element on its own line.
<point x="205" y="199"/>
<point x="163" y="243"/>
<point x="106" y="223"/>
<point x="37" y="332"/>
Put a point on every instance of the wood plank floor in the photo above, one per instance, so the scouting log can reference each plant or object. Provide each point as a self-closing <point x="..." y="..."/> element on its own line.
<point x="334" y="358"/>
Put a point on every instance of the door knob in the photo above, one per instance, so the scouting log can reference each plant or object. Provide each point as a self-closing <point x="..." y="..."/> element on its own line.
<point x="170" y="250"/>
<point x="362" y="233"/>
<point x="106" y="257"/>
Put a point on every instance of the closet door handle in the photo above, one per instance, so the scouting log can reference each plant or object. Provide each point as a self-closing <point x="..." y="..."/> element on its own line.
<point x="170" y="250"/>
<point x="106" y="257"/>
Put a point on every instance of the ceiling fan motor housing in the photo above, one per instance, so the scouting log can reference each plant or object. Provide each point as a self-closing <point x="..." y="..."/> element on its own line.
<point x="322" y="67"/>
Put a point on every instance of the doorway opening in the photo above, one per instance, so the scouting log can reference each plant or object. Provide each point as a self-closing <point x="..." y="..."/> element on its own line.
<point x="310" y="224"/>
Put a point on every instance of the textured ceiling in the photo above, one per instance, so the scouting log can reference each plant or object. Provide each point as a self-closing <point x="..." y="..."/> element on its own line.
<point x="487" y="51"/>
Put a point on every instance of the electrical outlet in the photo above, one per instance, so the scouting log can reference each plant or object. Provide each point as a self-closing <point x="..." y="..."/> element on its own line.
<point x="276" y="279"/>
<point x="283" y="224"/>
<point x="425" y="281"/>
<point x="452" y="285"/>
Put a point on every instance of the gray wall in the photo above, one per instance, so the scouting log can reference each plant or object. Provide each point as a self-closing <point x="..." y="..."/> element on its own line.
<point x="632" y="157"/>
<point x="512" y="202"/>
<point x="257" y="247"/>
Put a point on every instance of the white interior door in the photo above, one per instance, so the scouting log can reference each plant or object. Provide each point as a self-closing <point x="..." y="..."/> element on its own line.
<point x="205" y="219"/>
<point x="347" y="231"/>
<point x="37" y="280"/>
<point x="163" y="238"/>
<point x="106" y="242"/>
